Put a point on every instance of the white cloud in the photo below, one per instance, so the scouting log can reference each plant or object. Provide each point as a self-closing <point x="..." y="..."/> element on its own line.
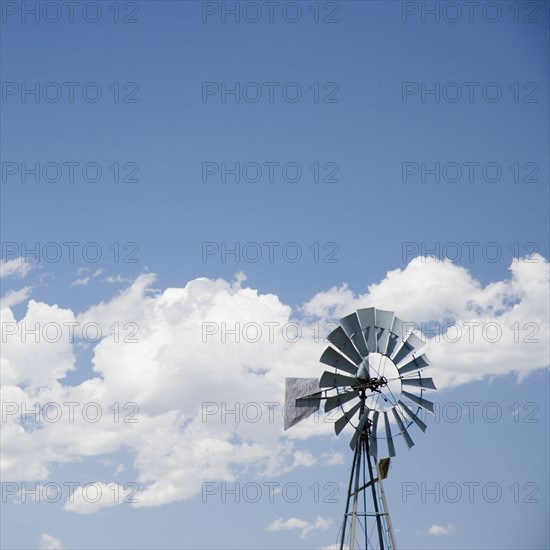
<point x="333" y="458"/>
<point x="441" y="530"/>
<point x="16" y="267"/>
<point x="169" y="373"/>
<point x="304" y="458"/>
<point x="305" y="527"/>
<point x="174" y="370"/>
<point x="30" y="354"/>
<point x="430" y="290"/>
<point x="85" y="281"/>
<point x="14" y="297"/>
<point x="49" y="542"/>
<point x="117" y="279"/>
<point x="92" y="497"/>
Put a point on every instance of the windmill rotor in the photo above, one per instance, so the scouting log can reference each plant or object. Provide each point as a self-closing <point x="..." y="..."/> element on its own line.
<point x="376" y="376"/>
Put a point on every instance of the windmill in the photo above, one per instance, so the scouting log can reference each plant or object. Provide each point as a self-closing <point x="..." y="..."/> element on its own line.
<point x="377" y="371"/>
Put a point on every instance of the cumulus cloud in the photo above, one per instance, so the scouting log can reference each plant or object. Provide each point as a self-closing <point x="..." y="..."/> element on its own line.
<point x="37" y="349"/>
<point x="16" y="267"/>
<point x="473" y="331"/>
<point x="92" y="497"/>
<point x="14" y="297"/>
<point x="49" y="542"/>
<point x="332" y="458"/>
<point x="200" y="397"/>
<point x="304" y="527"/>
<point x="170" y="372"/>
<point x="441" y="530"/>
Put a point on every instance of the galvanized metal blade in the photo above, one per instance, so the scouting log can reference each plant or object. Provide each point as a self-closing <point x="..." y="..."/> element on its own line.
<point x="424" y="403"/>
<point x="389" y="439"/>
<point x="340" y="424"/>
<point x="384" y="322"/>
<point x="351" y="326"/>
<point x="335" y="380"/>
<point x="397" y="333"/>
<point x="413" y="416"/>
<point x="406" y="435"/>
<point x="340" y="399"/>
<point x="412" y="343"/>
<point x="339" y="339"/>
<point x="373" y="443"/>
<point x="363" y="372"/>
<point x="332" y="358"/>
<point x="416" y="363"/>
<point x="426" y="383"/>
<point x="359" y="429"/>
<point x="367" y="320"/>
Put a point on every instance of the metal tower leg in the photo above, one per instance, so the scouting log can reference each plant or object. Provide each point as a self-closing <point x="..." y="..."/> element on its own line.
<point x="387" y="513"/>
<point x="355" y="496"/>
<point x="364" y="473"/>
<point x="345" y="521"/>
<point x="372" y="481"/>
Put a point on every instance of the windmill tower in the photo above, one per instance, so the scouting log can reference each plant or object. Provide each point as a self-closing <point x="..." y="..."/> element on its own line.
<point x="377" y="367"/>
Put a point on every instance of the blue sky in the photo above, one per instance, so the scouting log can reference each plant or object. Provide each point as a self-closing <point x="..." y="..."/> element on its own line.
<point x="364" y="120"/>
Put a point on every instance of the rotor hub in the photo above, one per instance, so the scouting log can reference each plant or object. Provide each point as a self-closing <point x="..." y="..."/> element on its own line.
<point x="379" y="378"/>
<point x="375" y="383"/>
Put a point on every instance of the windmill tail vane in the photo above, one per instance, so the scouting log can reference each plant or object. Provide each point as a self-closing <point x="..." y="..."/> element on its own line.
<point x="377" y="385"/>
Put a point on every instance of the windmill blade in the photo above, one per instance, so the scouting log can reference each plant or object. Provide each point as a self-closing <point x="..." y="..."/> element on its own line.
<point x="413" y="416"/>
<point x="397" y="333"/>
<point x="406" y="435"/>
<point x="426" y="383"/>
<point x="340" y="399"/>
<point x="332" y="358"/>
<point x="424" y="403"/>
<point x="412" y="343"/>
<point x="389" y="439"/>
<point x="339" y="339"/>
<point x="351" y="326"/>
<point x="359" y="429"/>
<point x="384" y="321"/>
<point x="363" y="372"/>
<point x="340" y="424"/>
<point x="367" y="321"/>
<point x="335" y="380"/>
<point x="373" y="443"/>
<point x="416" y="363"/>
